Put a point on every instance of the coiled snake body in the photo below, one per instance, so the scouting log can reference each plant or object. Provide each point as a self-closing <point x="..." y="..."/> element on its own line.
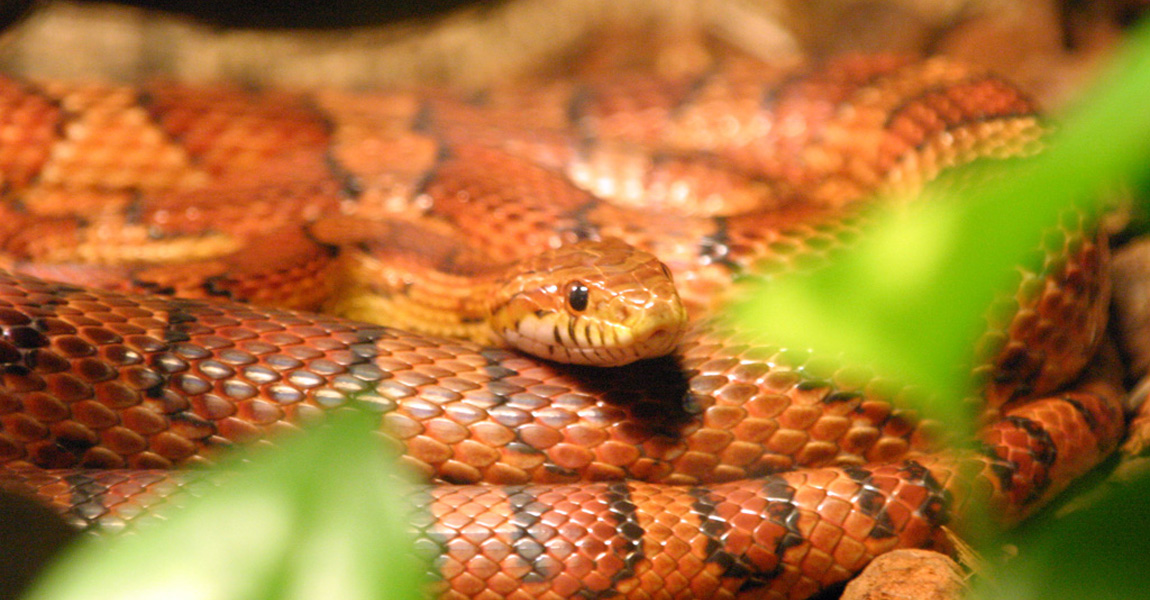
<point x="728" y="468"/>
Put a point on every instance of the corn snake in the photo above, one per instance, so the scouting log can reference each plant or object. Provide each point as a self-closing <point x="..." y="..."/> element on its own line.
<point x="100" y="380"/>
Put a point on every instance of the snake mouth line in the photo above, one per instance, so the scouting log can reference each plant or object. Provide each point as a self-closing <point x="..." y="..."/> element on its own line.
<point x="606" y="346"/>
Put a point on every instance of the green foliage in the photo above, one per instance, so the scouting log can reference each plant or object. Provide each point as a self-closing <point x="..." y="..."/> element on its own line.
<point x="323" y="517"/>
<point x="911" y="299"/>
<point x="1098" y="552"/>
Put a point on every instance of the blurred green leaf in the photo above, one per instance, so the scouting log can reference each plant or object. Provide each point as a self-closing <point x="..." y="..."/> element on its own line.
<point x="910" y="297"/>
<point x="1098" y="552"/>
<point x="322" y="517"/>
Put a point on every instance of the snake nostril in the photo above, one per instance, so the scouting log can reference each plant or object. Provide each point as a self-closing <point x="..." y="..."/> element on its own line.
<point x="660" y="336"/>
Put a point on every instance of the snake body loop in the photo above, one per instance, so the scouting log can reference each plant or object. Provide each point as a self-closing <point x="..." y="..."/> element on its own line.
<point x="730" y="468"/>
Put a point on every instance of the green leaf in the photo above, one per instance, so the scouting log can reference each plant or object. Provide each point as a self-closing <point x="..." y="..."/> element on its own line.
<point x="322" y="517"/>
<point x="1098" y="552"/>
<point x="896" y="301"/>
<point x="910" y="298"/>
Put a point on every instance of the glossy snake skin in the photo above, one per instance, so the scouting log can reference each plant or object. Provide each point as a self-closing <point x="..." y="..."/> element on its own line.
<point x="731" y="468"/>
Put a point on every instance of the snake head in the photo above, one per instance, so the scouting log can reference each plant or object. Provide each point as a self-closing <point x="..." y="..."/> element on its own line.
<point x="599" y="303"/>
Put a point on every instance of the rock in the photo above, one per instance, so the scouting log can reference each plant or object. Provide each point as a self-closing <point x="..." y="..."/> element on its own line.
<point x="908" y="575"/>
<point x="1130" y="271"/>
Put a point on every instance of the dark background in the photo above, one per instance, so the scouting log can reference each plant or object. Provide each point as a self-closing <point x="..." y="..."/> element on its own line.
<point x="304" y="13"/>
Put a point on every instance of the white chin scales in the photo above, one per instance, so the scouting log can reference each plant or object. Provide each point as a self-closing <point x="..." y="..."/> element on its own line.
<point x="543" y="339"/>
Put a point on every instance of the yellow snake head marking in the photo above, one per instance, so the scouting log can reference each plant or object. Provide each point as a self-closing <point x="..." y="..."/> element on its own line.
<point x="599" y="303"/>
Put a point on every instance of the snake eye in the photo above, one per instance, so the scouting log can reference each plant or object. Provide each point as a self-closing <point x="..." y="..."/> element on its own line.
<point x="577" y="296"/>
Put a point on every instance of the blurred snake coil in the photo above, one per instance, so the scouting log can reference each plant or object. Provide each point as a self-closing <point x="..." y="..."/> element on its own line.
<point x="728" y="469"/>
